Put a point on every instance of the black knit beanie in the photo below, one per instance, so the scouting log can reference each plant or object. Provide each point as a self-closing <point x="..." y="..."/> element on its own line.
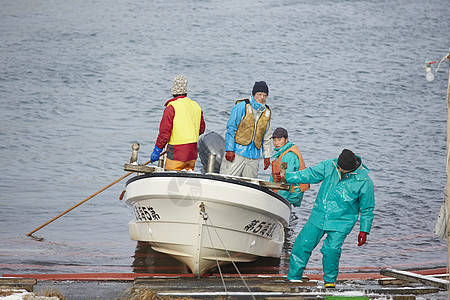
<point x="347" y="160"/>
<point x="260" y="86"/>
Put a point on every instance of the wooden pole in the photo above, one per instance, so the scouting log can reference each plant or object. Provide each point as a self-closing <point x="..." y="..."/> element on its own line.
<point x="448" y="167"/>
<point x="79" y="203"/>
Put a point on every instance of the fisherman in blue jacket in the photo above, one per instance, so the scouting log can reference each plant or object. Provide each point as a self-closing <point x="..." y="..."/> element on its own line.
<point x="248" y="135"/>
<point x="346" y="193"/>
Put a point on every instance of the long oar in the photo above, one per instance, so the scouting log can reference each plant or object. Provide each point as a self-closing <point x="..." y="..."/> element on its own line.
<point x="78" y="204"/>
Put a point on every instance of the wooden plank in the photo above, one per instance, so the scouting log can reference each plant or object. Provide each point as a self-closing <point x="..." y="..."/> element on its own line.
<point x="18" y="280"/>
<point x="13" y="286"/>
<point x="395" y="281"/>
<point x="441" y="276"/>
<point x="212" y="285"/>
<point x="404" y="290"/>
<point x="266" y="184"/>
<point x="263" y="285"/>
<point x="141" y="169"/>
<point x="391" y="281"/>
<point x="410" y="276"/>
<point x="275" y="185"/>
<point x="18" y="283"/>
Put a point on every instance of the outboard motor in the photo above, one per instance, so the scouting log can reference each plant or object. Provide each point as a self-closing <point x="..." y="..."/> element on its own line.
<point x="214" y="143"/>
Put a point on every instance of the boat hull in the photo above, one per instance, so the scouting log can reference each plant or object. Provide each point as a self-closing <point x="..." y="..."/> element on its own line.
<point x="204" y="219"/>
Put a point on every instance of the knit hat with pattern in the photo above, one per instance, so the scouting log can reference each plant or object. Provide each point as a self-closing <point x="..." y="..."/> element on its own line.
<point x="179" y="85"/>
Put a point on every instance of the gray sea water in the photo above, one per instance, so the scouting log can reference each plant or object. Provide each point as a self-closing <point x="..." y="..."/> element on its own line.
<point x="80" y="81"/>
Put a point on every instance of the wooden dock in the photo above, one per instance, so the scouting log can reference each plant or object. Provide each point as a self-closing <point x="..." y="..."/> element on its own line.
<point x="267" y="287"/>
<point x="17" y="283"/>
<point x="400" y="285"/>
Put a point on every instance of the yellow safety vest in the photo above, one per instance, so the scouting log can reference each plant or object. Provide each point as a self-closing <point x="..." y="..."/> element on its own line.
<point x="247" y="130"/>
<point x="186" y="122"/>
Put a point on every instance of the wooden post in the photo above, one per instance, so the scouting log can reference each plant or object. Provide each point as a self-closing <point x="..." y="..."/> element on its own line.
<point x="448" y="166"/>
<point x="161" y="160"/>
<point x="134" y="153"/>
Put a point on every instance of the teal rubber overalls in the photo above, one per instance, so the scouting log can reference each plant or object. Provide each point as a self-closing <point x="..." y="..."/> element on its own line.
<point x="338" y="204"/>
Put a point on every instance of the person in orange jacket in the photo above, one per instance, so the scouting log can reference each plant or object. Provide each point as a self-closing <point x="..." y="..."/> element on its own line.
<point x="181" y="124"/>
<point x="287" y="152"/>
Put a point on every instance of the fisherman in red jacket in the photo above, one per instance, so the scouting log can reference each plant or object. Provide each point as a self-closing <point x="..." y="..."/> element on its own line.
<point x="181" y="124"/>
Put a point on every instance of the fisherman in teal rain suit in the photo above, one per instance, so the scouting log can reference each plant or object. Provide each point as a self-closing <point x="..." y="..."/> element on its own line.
<point x="286" y="151"/>
<point x="346" y="193"/>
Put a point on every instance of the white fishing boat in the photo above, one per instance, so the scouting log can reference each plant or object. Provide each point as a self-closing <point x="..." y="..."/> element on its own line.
<point x="206" y="219"/>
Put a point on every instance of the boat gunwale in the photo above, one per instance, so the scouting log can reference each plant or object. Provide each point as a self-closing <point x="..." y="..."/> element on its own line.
<point x="212" y="177"/>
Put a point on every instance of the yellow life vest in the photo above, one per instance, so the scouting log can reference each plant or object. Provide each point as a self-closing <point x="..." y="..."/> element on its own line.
<point x="248" y="130"/>
<point x="186" y="122"/>
<point x="277" y="163"/>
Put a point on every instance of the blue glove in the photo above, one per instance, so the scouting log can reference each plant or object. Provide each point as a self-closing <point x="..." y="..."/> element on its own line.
<point x="155" y="154"/>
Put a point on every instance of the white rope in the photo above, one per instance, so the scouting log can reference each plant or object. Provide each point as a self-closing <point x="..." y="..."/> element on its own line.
<point x="205" y="214"/>
<point x="205" y="218"/>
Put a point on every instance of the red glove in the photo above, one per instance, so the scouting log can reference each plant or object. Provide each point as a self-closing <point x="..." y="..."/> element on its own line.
<point x="229" y="156"/>
<point x="362" y="236"/>
<point x="276" y="177"/>
<point x="266" y="163"/>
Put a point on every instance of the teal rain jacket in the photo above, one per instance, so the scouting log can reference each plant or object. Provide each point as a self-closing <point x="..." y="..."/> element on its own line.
<point x="291" y="158"/>
<point x="339" y="201"/>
